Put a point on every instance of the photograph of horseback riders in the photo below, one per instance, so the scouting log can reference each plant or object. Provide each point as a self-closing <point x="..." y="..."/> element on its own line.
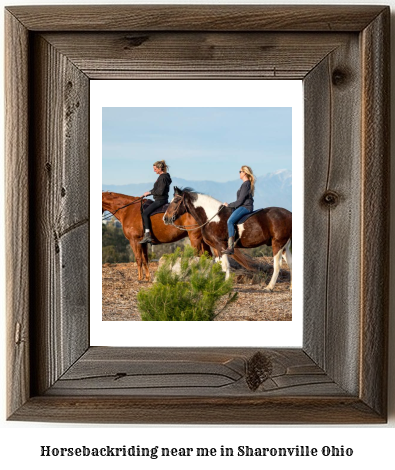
<point x="197" y="214"/>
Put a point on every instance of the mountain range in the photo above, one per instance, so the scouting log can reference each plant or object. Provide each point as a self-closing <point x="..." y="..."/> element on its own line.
<point x="272" y="189"/>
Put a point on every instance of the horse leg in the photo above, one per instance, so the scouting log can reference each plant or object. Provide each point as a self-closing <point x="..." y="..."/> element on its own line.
<point x="280" y="261"/>
<point x="198" y="243"/>
<point x="145" y="262"/>
<point x="287" y="254"/>
<point x="223" y="259"/>
<point x="225" y="266"/>
<point x="277" y="254"/>
<point x="141" y="254"/>
<point x="205" y="248"/>
<point x="216" y="253"/>
<point x="136" y="248"/>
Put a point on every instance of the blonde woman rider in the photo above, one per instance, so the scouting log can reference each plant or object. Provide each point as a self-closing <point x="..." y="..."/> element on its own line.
<point x="160" y="191"/>
<point x="243" y="205"/>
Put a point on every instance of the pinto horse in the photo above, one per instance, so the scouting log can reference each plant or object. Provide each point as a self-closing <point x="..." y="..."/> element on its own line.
<point x="271" y="226"/>
<point x="127" y="209"/>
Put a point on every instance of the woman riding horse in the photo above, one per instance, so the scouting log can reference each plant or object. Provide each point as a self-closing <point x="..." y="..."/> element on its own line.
<point x="243" y="205"/>
<point x="271" y="226"/>
<point x="160" y="191"/>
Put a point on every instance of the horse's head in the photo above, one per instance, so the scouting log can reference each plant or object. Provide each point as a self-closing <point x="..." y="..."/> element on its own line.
<point x="107" y="199"/>
<point x="176" y="207"/>
<point x="112" y="201"/>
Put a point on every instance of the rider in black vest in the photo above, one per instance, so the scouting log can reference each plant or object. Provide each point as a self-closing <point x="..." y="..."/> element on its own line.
<point x="160" y="191"/>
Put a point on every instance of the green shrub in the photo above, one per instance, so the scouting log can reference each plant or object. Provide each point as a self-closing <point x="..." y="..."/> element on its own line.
<point x="191" y="294"/>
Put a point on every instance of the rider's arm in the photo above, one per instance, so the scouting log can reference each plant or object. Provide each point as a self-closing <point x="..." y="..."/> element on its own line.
<point x="242" y="195"/>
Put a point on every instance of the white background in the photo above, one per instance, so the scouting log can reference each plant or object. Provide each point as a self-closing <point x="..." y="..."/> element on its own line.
<point x="197" y="93"/>
<point x="20" y="442"/>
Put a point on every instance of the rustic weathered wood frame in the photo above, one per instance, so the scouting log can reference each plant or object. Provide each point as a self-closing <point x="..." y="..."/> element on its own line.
<point x="340" y="374"/>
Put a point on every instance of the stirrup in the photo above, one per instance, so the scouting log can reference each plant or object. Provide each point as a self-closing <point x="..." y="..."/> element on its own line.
<point x="147" y="238"/>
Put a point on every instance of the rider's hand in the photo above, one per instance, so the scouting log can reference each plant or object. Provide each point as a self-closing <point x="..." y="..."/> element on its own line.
<point x="225" y="204"/>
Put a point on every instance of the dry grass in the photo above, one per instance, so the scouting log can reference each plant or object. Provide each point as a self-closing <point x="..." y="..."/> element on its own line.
<point x="120" y="287"/>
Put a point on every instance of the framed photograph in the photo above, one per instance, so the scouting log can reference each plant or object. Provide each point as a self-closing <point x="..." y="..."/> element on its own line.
<point x="206" y="131"/>
<point x="339" y="374"/>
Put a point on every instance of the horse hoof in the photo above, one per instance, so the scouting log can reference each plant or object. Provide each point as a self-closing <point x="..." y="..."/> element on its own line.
<point x="267" y="290"/>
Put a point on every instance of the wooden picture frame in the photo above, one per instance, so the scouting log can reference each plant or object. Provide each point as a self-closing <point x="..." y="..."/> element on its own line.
<point x="340" y="374"/>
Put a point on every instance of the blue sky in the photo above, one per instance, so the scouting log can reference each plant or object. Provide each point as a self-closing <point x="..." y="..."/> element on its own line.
<point x="197" y="143"/>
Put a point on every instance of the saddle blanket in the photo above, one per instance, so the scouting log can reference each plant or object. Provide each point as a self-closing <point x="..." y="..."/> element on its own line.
<point x="159" y="210"/>
<point x="247" y="216"/>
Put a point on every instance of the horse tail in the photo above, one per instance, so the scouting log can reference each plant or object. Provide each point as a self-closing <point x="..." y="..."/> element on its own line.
<point x="246" y="261"/>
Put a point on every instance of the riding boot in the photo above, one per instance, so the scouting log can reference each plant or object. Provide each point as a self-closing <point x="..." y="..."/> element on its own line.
<point x="147" y="238"/>
<point x="231" y="245"/>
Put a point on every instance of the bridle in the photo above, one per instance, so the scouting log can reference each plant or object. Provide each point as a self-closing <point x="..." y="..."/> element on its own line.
<point x="119" y="208"/>
<point x="183" y="227"/>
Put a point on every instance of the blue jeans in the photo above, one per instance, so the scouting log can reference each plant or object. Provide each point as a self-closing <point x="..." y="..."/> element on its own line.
<point x="234" y="218"/>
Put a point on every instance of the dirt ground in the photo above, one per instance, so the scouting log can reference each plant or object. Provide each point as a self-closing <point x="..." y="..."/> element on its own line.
<point x="120" y="286"/>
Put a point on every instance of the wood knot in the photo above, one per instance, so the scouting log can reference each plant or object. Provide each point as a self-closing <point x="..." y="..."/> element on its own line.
<point x="330" y="199"/>
<point x="120" y="375"/>
<point x="259" y="369"/>
<point x="340" y="77"/>
<point x="135" y="41"/>
<point x="18" y="334"/>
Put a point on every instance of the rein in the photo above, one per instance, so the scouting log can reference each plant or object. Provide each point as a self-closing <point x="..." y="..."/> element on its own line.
<point x="123" y="207"/>
<point x="183" y="227"/>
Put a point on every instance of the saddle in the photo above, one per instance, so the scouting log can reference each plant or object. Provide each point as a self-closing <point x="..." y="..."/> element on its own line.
<point x="159" y="210"/>
<point x="247" y="216"/>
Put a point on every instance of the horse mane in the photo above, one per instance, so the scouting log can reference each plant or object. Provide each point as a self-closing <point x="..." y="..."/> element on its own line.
<point x="190" y="191"/>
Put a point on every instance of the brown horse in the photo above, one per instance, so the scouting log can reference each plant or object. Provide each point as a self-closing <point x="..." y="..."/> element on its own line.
<point x="127" y="210"/>
<point x="271" y="226"/>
